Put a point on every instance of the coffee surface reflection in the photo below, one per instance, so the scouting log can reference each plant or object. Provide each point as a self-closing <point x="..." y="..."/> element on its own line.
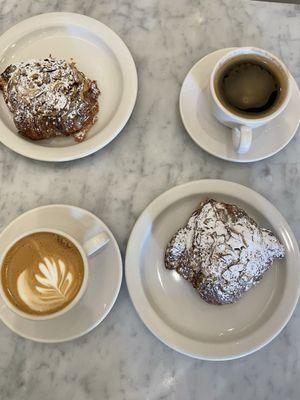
<point x="251" y="86"/>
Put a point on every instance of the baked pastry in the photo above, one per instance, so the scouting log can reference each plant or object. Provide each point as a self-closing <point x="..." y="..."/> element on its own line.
<point x="50" y="97"/>
<point x="222" y="252"/>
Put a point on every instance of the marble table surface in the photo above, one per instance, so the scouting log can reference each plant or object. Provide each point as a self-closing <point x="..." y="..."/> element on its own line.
<point x="121" y="359"/>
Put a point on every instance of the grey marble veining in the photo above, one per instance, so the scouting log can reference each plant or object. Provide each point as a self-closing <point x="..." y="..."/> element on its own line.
<point x="120" y="359"/>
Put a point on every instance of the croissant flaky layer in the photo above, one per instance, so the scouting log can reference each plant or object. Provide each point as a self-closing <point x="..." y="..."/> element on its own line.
<point x="50" y="97"/>
<point x="222" y="251"/>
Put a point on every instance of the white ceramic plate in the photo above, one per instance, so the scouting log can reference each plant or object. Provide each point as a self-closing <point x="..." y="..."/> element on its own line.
<point x="105" y="274"/>
<point x="98" y="52"/>
<point x="172" y="309"/>
<point x="215" y="138"/>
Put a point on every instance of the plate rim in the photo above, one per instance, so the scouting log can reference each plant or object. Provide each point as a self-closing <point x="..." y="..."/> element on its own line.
<point x="118" y="287"/>
<point x="128" y="97"/>
<point x="140" y="302"/>
<point x="222" y="52"/>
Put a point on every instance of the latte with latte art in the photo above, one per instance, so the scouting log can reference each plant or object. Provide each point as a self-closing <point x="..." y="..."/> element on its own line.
<point x="42" y="273"/>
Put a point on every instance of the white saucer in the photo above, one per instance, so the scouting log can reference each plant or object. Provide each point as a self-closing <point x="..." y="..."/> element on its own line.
<point x="214" y="137"/>
<point x="105" y="274"/>
<point x="98" y="52"/>
<point x="172" y="309"/>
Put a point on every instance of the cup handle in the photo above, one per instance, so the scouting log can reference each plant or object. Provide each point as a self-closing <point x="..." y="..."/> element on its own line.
<point x="95" y="243"/>
<point x="242" y="138"/>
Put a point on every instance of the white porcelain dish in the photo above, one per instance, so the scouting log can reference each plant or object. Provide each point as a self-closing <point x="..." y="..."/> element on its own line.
<point x="172" y="309"/>
<point x="215" y="138"/>
<point x="105" y="274"/>
<point x="98" y="52"/>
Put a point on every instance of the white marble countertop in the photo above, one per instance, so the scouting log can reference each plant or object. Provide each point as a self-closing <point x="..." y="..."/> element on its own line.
<point x="121" y="359"/>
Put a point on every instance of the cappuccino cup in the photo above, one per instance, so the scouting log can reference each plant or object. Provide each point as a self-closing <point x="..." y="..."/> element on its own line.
<point x="249" y="87"/>
<point x="44" y="273"/>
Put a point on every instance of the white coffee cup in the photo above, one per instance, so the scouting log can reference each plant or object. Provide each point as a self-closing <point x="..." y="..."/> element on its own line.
<point x="242" y="127"/>
<point x="85" y="249"/>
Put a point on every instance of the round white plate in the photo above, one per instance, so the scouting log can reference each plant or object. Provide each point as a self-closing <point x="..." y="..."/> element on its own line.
<point x="172" y="309"/>
<point x="105" y="274"/>
<point x="215" y="138"/>
<point x="98" y="52"/>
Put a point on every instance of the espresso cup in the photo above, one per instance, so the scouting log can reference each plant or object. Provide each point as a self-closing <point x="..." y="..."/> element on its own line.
<point x="225" y="107"/>
<point x="51" y="269"/>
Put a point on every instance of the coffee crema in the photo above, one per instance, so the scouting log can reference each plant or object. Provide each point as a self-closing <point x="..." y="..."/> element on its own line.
<point x="42" y="273"/>
<point x="251" y="86"/>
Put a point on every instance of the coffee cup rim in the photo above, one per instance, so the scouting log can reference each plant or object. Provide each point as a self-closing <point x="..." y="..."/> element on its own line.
<point x="78" y="296"/>
<point x="256" y="51"/>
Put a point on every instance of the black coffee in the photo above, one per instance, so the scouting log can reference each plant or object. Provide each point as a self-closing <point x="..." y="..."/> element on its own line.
<point x="251" y="86"/>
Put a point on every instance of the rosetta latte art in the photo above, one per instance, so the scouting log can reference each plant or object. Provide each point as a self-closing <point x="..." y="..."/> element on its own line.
<point x="51" y="288"/>
<point x="42" y="273"/>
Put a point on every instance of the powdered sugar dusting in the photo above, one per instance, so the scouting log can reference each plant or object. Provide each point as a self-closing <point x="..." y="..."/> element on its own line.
<point x="50" y="97"/>
<point x="44" y="84"/>
<point x="222" y="251"/>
